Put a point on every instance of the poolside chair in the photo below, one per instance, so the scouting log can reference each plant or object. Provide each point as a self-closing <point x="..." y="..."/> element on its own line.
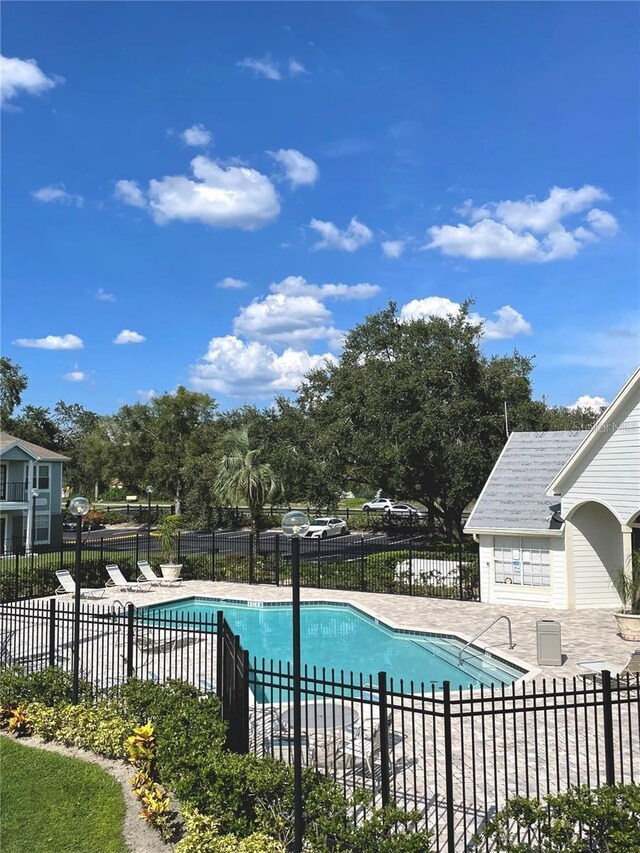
<point x="68" y="586"/>
<point x="362" y="745"/>
<point x="117" y="580"/>
<point x="147" y="574"/>
<point x="593" y="668"/>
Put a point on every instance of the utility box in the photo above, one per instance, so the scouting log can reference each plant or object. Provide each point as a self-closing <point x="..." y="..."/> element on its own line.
<point x="548" y="642"/>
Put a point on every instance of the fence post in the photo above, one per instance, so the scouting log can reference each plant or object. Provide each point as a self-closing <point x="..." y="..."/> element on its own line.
<point x="101" y="551"/>
<point x="460" y="582"/>
<point x="137" y="548"/>
<point x="410" y="568"/>
<point x="363" y="584"/>
<point x="52" y="632"/>
<point x="130" y="608"/>
<point x="179" y="545"/>
<point x="213" y="555"/>
<point x="607" y="718"/>
<point x="277" y="559"/>
<point x="244" y="745"/>
<point x="219" y="652"/>
<point x="251" y="558"/>
<point x="448" y="762"/>
<point x="384" y="737"/>
<point x="319" y="560"/>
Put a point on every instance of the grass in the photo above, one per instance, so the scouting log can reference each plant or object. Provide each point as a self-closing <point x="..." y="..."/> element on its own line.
<point x="53" y="803"/>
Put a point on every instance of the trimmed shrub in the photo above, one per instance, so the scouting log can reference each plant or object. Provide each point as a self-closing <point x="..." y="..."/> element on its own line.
<point x="580" y="820"/>
<point x="49" y="686"/>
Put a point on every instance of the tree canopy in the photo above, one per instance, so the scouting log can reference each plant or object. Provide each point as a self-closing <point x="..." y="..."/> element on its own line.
<point x="412" y="407"/>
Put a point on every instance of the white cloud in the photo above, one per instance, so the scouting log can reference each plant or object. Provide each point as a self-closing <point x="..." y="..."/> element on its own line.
<point x="103" y="295"/>
<point x="221" y="196"/>
<point x="538" y="216"/>
<point x="57" y="193"/>
<point x="299" y="170"/>
<point x="75" y="376"/>
<point x="296" y="285"/>
<point x="145" y="396"/>
<point x="506" y="230"/>
<point x="230" y="283"/>
<point x="393" y="248"/>
<point x="130" y="193"/>
<point x="354" y="237"/>
<point x="602" y="222"/>
<point x="196" y="135"/>
<point x="126" y="336"/>
<point x="281" y="319"/>
<point x="235" y="368"/>
<point x="586" y="401"/>
<point x="23" y="75"/>
<point x="509" y="323"/>
<point x="296" y="67"/>
<point x="51" y="342"/>
<point x="262" y="68"/>
<point x="486" y="239"/>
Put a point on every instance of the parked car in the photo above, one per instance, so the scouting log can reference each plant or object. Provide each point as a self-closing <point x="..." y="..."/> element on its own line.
<point x="378" y="504"/>
<point x="321" y="528"/>
<point x="408" y="511"/>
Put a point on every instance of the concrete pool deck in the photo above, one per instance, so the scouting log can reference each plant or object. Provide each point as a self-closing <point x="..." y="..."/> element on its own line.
<point x="587" y="635"/>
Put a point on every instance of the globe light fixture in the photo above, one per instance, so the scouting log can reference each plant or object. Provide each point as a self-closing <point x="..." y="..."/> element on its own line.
<point x="295" y="523"/>
<point x="79" y="507"/>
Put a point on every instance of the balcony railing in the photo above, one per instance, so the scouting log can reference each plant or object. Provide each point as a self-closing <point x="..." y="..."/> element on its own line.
<point x="16" y="492"/>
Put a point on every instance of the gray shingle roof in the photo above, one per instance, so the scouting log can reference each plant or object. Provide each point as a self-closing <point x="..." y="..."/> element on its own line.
<point x="7" y="440"/>
<point x="514" y="496"/>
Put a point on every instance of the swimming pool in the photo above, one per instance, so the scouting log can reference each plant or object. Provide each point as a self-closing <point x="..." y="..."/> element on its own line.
<point x="343" y="638"/>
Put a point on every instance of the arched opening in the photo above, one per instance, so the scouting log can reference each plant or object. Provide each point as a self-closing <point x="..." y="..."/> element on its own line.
<point x="634" y="524"/>
<point x="597" y="555"/>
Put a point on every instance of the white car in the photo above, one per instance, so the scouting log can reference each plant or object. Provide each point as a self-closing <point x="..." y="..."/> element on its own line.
<point x="378" y="505"/>
<point x="321" y="528"/>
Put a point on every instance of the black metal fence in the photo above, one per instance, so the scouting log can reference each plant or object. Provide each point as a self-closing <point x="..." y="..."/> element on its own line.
<point x="453" y="756"/>
<point x="117" y="642"/>
<point x="393" y="564"/>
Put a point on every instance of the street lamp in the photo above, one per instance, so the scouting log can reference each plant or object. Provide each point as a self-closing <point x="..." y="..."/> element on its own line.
<point x="78" y="507"/>
<point x="149" y="491"/>
<point x="34" y="495"/>
<point x="294" y="525"/>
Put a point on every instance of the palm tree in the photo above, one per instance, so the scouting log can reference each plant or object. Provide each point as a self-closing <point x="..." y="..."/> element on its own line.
<point x="242" y="478"/>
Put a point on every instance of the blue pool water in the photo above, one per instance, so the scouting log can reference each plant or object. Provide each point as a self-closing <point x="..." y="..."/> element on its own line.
<point x="341" y="637"/>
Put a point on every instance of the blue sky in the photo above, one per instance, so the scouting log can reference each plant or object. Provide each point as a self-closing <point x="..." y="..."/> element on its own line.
<point x="209" y="194"/>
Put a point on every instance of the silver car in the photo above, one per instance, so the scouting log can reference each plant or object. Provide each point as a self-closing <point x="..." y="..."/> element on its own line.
<point x="408" y="511"/>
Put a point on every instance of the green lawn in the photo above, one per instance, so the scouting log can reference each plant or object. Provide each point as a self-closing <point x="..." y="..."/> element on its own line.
<point x="53" y="804"/>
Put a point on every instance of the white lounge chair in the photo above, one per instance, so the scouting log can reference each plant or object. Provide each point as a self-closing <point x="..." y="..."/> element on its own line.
<point x="593" y="668"/>
<point x="117" y="580"/>
<point x="147" y="574"/>
<point x="68" y="586"/>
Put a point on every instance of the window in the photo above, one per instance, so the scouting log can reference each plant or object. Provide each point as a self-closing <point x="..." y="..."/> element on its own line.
<point x="41" y="529"/>
<point x="522" y="561"/>
<point x="41" y="477"/>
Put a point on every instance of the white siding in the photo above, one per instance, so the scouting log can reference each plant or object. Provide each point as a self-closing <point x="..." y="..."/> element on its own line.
<point x="500" y="593"/>
<point x="610" y="472"/>
<point x="597" y="556"/>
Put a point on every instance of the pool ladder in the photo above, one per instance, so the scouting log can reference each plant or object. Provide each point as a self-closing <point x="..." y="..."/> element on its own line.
<point x="123" y="605"/>
<point x="480" y="633"/>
